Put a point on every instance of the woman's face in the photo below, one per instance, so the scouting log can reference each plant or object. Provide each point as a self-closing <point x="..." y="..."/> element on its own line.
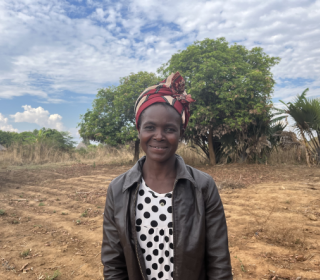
<point x="159" y="132"/>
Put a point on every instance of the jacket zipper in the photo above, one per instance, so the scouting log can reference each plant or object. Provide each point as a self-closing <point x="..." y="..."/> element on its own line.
<point x="136" y="240"/>
<point x="173" y="223"/>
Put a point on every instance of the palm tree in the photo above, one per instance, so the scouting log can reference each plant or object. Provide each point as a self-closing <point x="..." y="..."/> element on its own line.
<point x="306" y="114"/>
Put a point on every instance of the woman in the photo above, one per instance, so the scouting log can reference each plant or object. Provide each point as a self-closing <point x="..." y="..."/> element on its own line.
<point x="164" y="219"/>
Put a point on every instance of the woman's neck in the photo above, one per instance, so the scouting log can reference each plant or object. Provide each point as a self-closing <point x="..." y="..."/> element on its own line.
<point x="159" y="170"/>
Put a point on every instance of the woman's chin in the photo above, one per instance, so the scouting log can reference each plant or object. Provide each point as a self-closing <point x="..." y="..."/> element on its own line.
<point x="159" y="156"/>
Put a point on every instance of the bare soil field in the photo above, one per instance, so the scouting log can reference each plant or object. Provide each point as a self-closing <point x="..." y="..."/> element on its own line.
<point x="51" y="220"/>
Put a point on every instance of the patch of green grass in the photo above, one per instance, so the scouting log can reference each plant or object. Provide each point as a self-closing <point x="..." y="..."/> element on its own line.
<point x="39" y="226"/>
<point x="241" y="264"/>
<point x="58" y="199"/>
<point x="41" y="204"/>
<point x="99" y="207"/>
<point x="78" y="222"/>
<point x="288" y="201"/>
<point x="15" y="222"/>
<point x="63" y="213"/>
<point x="84" y="214"/>
<point x="2" y="212"/>
<point x="25" y="253"/>
<point x="55" y="275"/>
<point x="54" y="211"/>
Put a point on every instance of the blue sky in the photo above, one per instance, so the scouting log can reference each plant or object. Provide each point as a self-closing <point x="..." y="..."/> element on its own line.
<point x="55" y="54"/>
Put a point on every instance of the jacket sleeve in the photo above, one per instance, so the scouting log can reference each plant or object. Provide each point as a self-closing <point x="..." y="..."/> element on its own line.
<point x="218" y="264"/>
<point x="112" y="255"/>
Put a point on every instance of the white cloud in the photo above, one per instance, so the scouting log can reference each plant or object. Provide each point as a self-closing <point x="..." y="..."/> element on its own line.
<point x="289" y="91"/>
<point x="39" y="116"/>
<point x="15" y="90"/>
<point x="74" y="132"/>
<point x="51" y="46"/>
<point x="5" y="126"/>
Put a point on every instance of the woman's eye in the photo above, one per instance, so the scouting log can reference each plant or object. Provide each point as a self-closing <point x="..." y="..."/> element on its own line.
<point x="149" y="127"/>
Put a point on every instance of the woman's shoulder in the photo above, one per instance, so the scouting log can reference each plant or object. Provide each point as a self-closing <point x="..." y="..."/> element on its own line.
<point x="117" y="183"/>
<point x="202" y="179"/>
<point x="125" y="180"/>
<point x="206" y="185"/>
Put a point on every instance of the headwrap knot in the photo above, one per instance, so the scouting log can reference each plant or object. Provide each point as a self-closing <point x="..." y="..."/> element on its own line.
<point x="170" y="91"/>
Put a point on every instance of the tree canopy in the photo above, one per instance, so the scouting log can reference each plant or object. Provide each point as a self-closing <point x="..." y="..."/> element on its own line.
<point x="231" y="84"/>
<point x="111" y="119"/>
<point x="60" y="139"/>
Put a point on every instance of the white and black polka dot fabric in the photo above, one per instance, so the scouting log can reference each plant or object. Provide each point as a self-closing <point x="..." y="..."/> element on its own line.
<point x="154" y="229"/>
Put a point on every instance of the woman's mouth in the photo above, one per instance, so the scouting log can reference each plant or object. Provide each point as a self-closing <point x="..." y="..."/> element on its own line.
<point x="158" y="148"/>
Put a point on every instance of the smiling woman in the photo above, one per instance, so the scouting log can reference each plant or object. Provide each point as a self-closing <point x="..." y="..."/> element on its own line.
<point x="164" y="219"/>
<point x="159" y="132"/>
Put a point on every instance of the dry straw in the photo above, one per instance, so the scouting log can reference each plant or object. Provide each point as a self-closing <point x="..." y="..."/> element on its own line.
<point x="41" y="153"/>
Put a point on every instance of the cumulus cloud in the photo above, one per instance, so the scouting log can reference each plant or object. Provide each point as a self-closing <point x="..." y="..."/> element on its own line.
<point x="52" y="46"/>
<point x="5" y="126"/>
<point x="39" y="116"/>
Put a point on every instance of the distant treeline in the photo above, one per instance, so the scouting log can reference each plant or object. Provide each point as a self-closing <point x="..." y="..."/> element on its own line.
<point x="60" y="139"/>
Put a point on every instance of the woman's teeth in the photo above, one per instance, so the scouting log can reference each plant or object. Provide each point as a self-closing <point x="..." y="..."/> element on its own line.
<point x="159" y="148"/>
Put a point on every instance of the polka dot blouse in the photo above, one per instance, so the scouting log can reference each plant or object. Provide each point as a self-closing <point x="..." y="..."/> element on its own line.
<point x="154" y="229"/>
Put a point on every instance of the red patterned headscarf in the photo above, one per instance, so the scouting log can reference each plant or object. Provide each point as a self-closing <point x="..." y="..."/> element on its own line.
<point x="170" y="91"/>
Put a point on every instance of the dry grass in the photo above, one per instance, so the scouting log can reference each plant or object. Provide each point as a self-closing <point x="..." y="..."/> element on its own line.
<point x="284" y="234"/>
<point x="37" y="153"/>
<point x="294" y="155"/>
<point x="231" y="184"/>
<point x="192" y="156"/>
<point x="40" y="153"/>
<point x="275" y="230"/>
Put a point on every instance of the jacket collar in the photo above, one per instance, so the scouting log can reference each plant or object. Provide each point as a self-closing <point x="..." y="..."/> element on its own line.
<point x="135" y="173"/>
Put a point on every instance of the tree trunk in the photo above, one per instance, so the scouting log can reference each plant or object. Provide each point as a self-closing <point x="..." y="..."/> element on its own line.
<point x="306" y="147"/>
<point x="212" y="156"/>
<point x="136" y="150"/>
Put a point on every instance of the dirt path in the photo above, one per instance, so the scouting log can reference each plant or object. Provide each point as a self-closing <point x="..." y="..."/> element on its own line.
<point x="53" y="216"/>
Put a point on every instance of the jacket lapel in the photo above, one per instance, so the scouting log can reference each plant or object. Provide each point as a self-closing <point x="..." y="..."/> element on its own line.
<point x="135" y="173"/>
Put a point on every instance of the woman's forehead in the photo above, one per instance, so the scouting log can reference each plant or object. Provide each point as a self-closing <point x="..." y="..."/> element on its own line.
<point x="158" y="112"/>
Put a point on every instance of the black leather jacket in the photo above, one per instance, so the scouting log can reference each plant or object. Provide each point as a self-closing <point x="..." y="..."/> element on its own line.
<point x="199" y="228"/>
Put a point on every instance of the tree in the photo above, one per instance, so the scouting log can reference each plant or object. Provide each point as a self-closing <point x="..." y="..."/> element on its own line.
<point x="231" y="84"/>
<point x="306" y="114"/>
<point x="61" y="139"/>
<point x="7" y="137"/>
<point x="111" y="119"/>
<point x="256" y="141"/>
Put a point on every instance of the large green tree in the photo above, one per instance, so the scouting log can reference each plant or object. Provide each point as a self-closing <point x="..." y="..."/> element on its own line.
<point x="232" y="87"/>
<point x="111" y="119"/>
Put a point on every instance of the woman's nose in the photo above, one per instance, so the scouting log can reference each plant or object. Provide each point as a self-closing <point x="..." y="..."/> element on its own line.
<point x="158" y="135"/>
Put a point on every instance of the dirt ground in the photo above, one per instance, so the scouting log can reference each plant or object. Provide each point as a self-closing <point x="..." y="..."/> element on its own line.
<point x="52" y="222"/>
